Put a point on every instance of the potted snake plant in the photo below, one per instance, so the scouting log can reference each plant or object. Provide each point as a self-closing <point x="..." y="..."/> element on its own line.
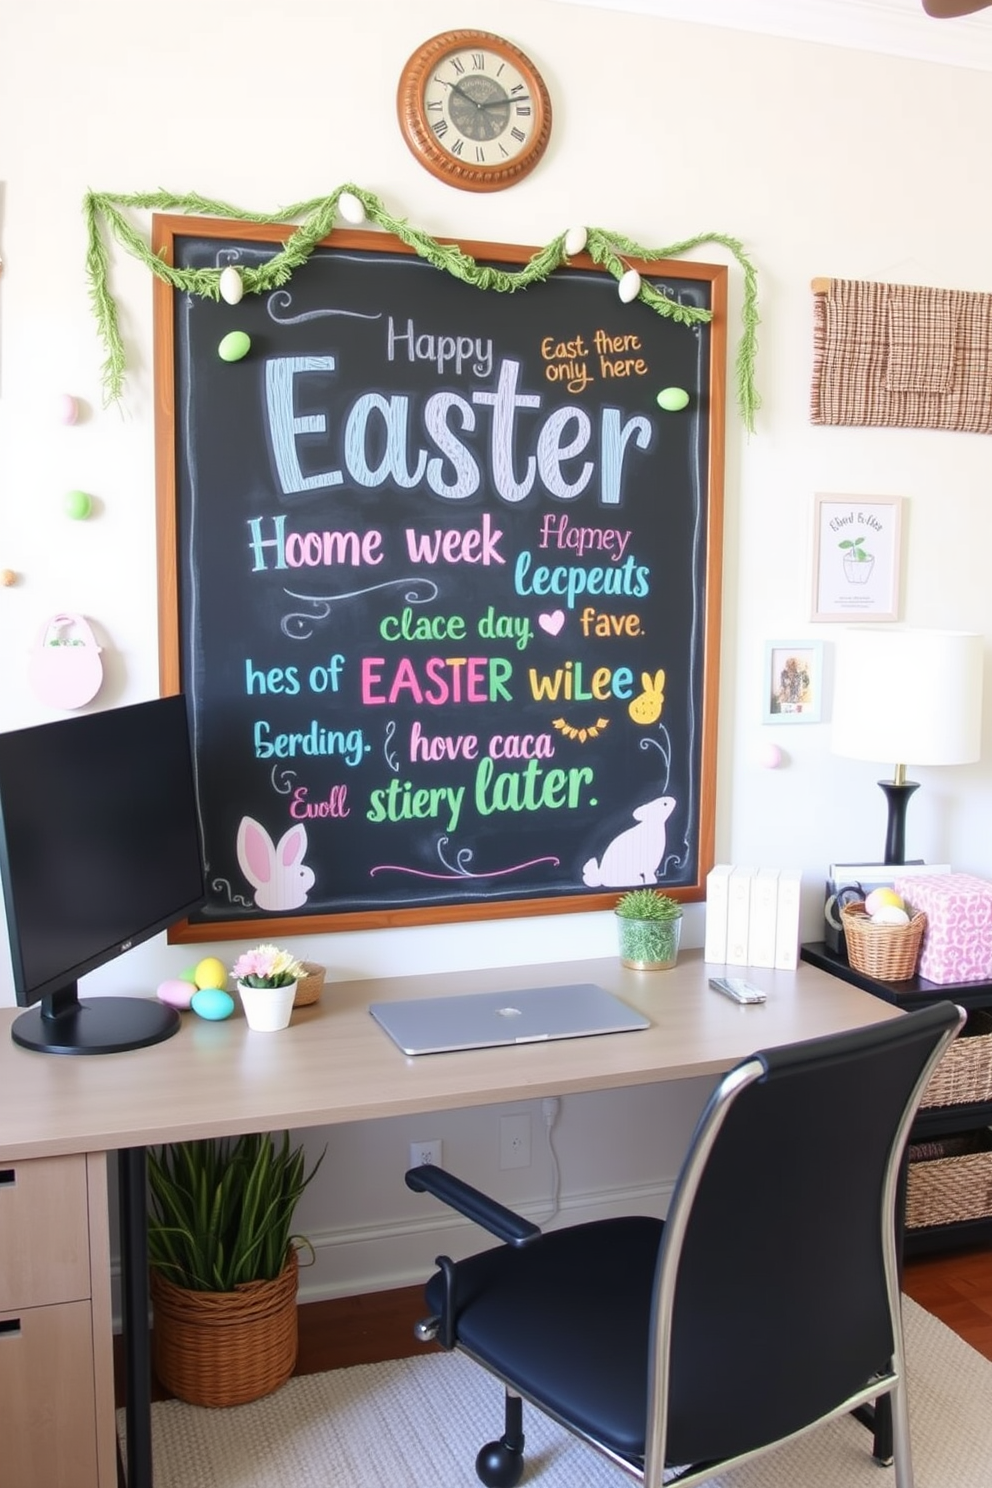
<point x="223" y="1261"/>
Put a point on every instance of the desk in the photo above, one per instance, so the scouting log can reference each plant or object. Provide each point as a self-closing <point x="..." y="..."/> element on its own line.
<point x="334" y="1064"/>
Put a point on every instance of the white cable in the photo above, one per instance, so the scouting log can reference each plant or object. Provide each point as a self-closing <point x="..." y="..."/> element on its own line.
<point x="550" y="1107"/>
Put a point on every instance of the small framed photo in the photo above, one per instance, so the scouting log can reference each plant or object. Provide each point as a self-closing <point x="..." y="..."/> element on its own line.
<point x="793" y="682"/>
<point x="857" y="557"/>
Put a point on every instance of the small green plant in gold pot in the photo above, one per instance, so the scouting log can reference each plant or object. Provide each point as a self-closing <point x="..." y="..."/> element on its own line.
<point x="650" y="927"/>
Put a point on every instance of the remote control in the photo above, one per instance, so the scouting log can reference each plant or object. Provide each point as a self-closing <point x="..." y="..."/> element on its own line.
<point x="737" y="988"/>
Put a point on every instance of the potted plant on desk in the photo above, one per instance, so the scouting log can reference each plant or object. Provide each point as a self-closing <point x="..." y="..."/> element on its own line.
<point x="650" y="927"/>
<point x="224" y="1265"/>
<point x="267" y="981"/>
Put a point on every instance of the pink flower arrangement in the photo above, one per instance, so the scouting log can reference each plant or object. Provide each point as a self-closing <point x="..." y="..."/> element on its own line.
<point x="267" y="966"/>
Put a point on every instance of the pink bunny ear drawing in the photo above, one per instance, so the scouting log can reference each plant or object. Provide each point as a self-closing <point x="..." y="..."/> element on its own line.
<point x="276" y="871"/>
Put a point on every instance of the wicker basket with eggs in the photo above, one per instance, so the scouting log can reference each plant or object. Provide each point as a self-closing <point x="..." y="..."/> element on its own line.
<point x="884" y="935"/>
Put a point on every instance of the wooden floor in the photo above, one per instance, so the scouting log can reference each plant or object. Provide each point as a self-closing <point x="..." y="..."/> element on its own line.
<point x="956" y="1287"/>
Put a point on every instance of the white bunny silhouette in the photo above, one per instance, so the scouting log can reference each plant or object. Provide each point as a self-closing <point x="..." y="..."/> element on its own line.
<point x="634" y="856"/>
<point x="277" y="872"/>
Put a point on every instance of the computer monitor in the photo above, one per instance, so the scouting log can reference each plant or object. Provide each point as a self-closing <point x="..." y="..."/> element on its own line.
<point x="99" y="850"/>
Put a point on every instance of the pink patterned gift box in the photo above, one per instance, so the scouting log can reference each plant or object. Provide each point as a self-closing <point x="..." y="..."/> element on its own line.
<point x="957" y="941"/>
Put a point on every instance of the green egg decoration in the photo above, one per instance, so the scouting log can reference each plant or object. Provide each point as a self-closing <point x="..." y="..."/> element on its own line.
<point x="672" y="399"/>
<point x="78" y="505"/>
<point x="235" y="345"/>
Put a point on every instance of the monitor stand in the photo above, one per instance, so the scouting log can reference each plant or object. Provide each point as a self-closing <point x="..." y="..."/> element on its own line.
<point x="61" y="1024"/>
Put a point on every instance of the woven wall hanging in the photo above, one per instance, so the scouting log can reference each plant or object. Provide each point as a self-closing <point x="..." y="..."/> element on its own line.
<point x="901" y="355"/>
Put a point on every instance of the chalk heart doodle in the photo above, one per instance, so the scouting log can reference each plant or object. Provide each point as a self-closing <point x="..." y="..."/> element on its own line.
<point x="552" y="622"/>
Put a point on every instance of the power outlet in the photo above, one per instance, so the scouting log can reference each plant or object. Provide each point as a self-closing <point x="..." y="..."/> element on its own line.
<point x="425" y="1154"/>
<point x="514" y="1141"/>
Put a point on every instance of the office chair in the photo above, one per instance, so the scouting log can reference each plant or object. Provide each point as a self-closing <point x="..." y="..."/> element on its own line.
<point x="767" y="1302"/>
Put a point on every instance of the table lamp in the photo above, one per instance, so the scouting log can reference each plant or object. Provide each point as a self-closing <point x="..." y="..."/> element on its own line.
<point x="913" y="696"/>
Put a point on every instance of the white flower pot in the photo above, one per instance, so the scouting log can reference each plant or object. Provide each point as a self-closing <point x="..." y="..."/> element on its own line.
<point x="267" y="1008"/>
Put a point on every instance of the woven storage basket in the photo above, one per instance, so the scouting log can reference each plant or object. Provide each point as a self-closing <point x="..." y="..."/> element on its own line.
<point x="889" y="952"/>
<point x="964" y="1074"/>
<point x="225" y="1348"/>
<point x="949" y="1181"/>
<point x="308" y="988"/>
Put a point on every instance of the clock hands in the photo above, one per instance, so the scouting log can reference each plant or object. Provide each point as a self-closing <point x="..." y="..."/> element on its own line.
<point x="491" y="103"/>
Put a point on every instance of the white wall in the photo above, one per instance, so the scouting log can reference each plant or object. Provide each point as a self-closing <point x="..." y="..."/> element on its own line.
<point x="822" y="161"/>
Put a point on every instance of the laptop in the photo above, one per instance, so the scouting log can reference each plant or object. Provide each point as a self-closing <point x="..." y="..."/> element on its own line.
<point x="485" y="1020"/>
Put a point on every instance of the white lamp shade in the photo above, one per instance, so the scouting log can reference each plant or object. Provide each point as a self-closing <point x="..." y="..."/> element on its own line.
<point x="908" y="696"/>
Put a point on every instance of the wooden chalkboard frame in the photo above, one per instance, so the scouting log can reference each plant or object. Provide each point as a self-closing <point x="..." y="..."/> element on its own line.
<point x="166" y="232"/>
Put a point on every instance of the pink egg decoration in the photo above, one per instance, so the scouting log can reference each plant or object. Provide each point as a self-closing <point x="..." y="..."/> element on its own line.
<point x="68" y="409"/>
<point x="176" y="993"/>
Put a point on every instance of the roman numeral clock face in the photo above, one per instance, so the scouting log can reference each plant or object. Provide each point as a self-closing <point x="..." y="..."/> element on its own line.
<point x="474" y="110"/>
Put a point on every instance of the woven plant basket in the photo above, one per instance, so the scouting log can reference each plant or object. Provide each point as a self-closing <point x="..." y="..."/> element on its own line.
<point x="308" y="988"/>
<point x="964" y="1075"/>
<point x="889" y="952"/>
<point x="225" y="1348"/>
<point x="949" y="1181"/>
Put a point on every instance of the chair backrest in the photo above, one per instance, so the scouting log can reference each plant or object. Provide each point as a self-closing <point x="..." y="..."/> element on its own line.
<point x="777" y="1278"/>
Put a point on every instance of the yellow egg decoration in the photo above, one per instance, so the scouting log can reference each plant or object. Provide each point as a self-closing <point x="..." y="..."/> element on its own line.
<point x="880" y="898"/>
<point x="210" y="972"/>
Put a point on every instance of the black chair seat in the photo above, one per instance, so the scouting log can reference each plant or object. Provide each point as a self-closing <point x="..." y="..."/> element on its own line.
<point x="587" y="1285"/>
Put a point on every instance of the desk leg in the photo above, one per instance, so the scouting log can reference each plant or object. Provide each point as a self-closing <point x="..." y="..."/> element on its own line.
<point x="131" y="1175"/>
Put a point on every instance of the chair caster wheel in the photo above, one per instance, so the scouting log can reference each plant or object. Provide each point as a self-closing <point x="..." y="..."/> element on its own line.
<point x="499" y="1465"/>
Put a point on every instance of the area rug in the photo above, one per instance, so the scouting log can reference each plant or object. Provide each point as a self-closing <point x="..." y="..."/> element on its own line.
<point x="418" y="1423"/>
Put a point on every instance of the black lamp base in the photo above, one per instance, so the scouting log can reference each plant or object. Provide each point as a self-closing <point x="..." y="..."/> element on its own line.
<point x="897" y="793"/>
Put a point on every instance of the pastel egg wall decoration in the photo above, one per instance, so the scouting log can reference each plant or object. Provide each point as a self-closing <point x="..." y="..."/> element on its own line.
<point x="78" y="505"/>
<point x="213" y="1004"/>
<point x="234" y="346"/>
<point x="232" y="286"/>
<point x="672" y="399"/>
<point x="67" y="409"/>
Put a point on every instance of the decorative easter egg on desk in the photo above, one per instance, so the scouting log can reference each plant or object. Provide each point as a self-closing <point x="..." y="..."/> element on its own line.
<point x="210" y="972"/>
<point x="235" y="345"/>
<point x="882" y="899"/>
<point x="174" y="992"/>
<point x="213" y="1004"/>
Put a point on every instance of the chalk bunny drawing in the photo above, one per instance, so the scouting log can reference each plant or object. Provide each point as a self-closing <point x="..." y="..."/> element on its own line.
<point x="276" y="871"/>
<point x="646" y="708"/>
<point x="634" y="856"/>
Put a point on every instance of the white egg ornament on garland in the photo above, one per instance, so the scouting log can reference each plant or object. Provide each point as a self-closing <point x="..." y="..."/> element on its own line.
<point x="575" y="241"/>
<point x="351" y="208"/>
<point x="232" y="286"/>
<point x="629" y="287"/>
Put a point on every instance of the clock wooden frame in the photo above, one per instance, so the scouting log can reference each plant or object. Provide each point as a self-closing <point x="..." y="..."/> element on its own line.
<point x="420" y="136"/>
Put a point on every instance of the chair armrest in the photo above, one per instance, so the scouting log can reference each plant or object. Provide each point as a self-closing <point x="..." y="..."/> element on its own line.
<point x="478" y="1207"/>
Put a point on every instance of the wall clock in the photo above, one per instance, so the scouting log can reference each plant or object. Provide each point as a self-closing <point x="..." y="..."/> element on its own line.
<point x="474" y="110"/>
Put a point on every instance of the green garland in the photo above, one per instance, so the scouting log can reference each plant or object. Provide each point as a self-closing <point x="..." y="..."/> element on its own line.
<point x="319" y="216"/>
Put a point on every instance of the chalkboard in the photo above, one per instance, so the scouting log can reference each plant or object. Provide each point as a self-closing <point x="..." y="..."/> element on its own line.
<point x="441" y="580"/>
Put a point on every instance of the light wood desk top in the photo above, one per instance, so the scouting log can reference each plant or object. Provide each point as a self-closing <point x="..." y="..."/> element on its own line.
<point x="335" y="1064"/>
